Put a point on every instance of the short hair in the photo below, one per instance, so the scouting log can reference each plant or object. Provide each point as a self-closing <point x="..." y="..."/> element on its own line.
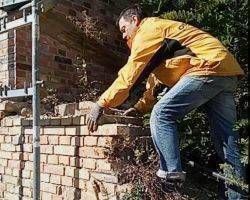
<point x="128" y="12"/>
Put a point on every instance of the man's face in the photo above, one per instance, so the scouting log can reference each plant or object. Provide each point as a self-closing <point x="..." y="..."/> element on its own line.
<point x="128" y="27"/>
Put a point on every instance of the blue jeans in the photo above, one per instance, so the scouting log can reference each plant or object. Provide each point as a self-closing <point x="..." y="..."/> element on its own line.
<point x="190" y="92"/>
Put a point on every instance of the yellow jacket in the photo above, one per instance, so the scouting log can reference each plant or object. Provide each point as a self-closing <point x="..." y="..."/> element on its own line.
<point x="210" y="58"/>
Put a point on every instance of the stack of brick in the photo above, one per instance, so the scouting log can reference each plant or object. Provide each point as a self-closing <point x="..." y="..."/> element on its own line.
<point x="74" y="162"/>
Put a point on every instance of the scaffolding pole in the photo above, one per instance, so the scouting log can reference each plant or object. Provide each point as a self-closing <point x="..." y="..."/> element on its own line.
<point x="36" y="101"/>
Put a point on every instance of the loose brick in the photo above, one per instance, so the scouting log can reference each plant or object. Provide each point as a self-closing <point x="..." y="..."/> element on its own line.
<point x="54" y="169"/>
<point x="65" y="150"/>
<point x="90" y="141"/>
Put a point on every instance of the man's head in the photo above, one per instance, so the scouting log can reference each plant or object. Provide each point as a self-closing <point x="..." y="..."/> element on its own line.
<point x="129" y="20"/>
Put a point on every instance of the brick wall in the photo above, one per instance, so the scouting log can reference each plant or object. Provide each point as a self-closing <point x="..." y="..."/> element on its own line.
<point x="61" y="43"/>
<point x="74" y="163"/>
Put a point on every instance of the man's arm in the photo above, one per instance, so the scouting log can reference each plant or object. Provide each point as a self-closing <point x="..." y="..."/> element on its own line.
<point x="145" y="44"/>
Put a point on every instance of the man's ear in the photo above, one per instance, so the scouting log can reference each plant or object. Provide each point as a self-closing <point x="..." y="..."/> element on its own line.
<point x="136" y="20"/>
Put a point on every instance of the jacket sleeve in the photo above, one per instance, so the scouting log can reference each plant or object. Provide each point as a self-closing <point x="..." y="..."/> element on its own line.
<point x="148" y="99"/>
<point x="145" y="44"/>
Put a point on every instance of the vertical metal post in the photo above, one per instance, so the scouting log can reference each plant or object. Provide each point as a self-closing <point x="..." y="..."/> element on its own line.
<point x="36" y="101"/>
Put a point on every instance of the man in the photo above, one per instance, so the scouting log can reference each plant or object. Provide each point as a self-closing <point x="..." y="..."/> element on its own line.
<point x="199" y="70"/>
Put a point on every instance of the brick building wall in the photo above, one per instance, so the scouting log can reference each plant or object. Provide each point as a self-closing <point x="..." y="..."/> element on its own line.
<point x="74" y="162"/>
<point x="61" y="43"/>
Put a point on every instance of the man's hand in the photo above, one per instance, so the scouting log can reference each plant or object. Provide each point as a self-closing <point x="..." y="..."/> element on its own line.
<point x="131" y="112"/>
<point x="94" y="115"/>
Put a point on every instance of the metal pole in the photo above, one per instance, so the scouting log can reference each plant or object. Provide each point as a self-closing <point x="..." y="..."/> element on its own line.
<point x="36" y="101"/>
